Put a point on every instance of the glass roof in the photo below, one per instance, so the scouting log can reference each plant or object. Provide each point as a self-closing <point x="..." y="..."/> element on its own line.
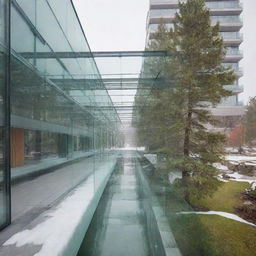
<point x="102" y="83"/>
<point x="122" y="74"/>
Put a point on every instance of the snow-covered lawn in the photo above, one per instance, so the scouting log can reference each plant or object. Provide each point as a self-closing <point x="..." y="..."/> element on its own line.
<point x="242" y="178"/>
<point x="241" y="159"/>
<point x="239" y="178"/>
<point x="235" y="176"/>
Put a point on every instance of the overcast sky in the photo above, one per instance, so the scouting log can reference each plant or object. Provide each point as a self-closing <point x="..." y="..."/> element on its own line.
<point x="116" y="25"/>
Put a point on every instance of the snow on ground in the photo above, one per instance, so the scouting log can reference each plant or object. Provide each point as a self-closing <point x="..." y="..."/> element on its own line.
<point x="152" y="158"/>
<point x="231" y="150"/>
<point x="132" y="148"/>
<point x="236" y="160"/>
<point x="222" y="214"/>
<point x="248" y="150"/>
<point x="58" y="228"/>
<point x="175" y="175"/>
<point x="239" y="176"/>
<point x="219" y="177"/>
<point x="220" y="166"/>
<point x="242" y="178"/>
<point x="248" y="160"/>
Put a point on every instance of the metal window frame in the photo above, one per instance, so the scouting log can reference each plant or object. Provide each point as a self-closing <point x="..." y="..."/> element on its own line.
<point x="6" y="124"/>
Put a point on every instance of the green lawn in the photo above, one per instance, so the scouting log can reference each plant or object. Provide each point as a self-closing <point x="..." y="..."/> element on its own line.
<point x="211" y="235"/>
<point x="230" y="237"/>
<point x="225" y="198"/>
<point x="204" y="235"/>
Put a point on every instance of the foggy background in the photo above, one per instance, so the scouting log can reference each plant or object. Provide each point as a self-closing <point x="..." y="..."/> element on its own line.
<point x="116" y="25"/>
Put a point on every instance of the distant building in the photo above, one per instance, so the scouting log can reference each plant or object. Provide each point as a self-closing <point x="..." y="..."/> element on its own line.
<point x="227" y="13"/>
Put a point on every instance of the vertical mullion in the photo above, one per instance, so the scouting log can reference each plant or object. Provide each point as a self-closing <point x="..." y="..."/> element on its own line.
<point x="7" y="114"/>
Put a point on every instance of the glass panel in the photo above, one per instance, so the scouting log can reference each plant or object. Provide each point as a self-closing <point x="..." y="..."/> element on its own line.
<point x="162" y="13"/>
<point x="231" y="35"/>
<point x="131" y="117"/>
<point x="226" y="19"/>
<point x="3" y="64"/>
<point x="223" y="4"/>
<point x="56" y="101"/>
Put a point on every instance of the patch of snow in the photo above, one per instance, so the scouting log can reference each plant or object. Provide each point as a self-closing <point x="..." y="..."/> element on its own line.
<point x="132" y="148"/>
<point x="253" y="185"/>
<point x="231" y="150"/>
<point x="219" y="177"/>
<point x="222" y="214"/>
<point x="240" y="158"/>
<point x="241" y="178"/>
<point x="175" y="175"/>
<point x="236" y="175"/>
<point x="152" y="158"/>
<point x="220" y="166"/>
<point x="232" y="162"/>
<point x="56" y="231"/>
<point x="250" y="163"/>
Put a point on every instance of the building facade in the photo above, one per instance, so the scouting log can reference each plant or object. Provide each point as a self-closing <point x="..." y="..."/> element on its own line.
<point x="227" y="13"/>
<point x="49" y="96"/>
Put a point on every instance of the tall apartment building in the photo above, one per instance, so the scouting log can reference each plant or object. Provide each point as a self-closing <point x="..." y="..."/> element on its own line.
<point x="227" y="13"/>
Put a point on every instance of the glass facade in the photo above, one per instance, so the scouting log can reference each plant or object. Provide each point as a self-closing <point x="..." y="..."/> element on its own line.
<point x="57" y="122"/>
<point x="4" y="143"/>
<point x="57" y="98"/>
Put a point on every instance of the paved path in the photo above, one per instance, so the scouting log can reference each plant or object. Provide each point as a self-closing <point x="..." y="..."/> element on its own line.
<point x="32" y="197"/>
<point x="118" y="226"/>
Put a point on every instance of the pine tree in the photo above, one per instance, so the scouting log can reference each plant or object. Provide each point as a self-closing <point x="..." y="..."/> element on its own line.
<point x="156" y="126"/>
<point x="197" y="51"/>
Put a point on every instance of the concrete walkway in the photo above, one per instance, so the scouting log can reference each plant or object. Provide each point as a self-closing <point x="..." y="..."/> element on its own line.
<point x="32" y="197"/>
<point x="48" y="163"/>
<point x="118" y="226"/>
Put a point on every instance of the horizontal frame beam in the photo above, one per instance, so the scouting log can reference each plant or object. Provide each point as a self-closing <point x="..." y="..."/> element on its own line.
<point x="68" y="55"/>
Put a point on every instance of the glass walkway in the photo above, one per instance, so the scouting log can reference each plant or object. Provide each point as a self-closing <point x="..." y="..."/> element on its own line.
<point x="120" y="218"/>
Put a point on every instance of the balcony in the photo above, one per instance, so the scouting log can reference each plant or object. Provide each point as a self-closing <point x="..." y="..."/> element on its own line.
<point x="164" y="4"/>
<point x="231" y="23"/>
<point x="216" y="8"/>
<point x="238" y="70"/>
<point x="228" y="23"/>
<point x="233" y="55"/>
<point x="232" y="38"/>
<point x="225" y="8"/>
<point x="236" y="88"/>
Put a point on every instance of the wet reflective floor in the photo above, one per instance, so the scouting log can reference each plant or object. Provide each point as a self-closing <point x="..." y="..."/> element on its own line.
<point x="118" y="226"/>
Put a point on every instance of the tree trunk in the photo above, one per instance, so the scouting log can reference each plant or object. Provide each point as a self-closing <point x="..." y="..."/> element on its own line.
<point x="186" y="147"/>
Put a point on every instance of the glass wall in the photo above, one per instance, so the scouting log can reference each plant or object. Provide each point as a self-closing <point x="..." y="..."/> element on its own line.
<point x="4" y="191"/>
<point x="53" y="109"/>
<point x="59" y="134"/>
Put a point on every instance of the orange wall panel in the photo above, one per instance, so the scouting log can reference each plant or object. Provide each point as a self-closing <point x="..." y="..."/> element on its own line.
<point x="17" y="147"/>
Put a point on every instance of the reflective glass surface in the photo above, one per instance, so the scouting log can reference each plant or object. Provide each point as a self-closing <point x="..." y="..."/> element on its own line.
<point x="113" y="125"/>
<point x="3" y="85"/>
<point x="58" y="100"/>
